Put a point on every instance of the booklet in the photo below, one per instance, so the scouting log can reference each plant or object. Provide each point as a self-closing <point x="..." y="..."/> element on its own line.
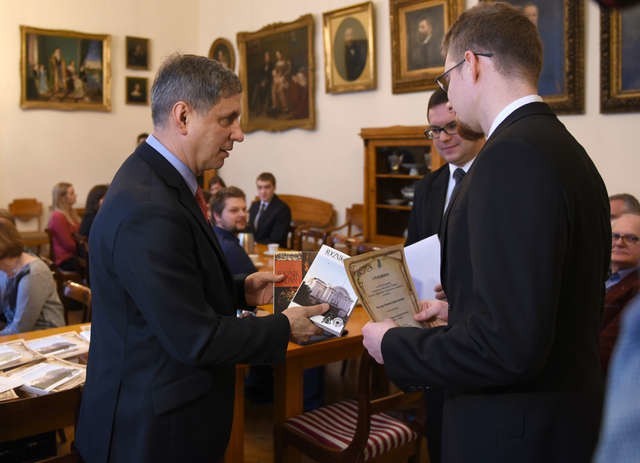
<point x="50" y="375"/>
<point x="294" y="266"/>
<point x="327" y="281"/>
<point x="383" y="282"/>
<point x="15" y="353"/>
<point x="63" y="345"/>
<point x="423" y="261"/>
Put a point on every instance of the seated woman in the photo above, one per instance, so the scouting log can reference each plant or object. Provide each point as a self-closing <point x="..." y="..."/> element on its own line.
<point x="94" y="201"/>
<point x="63" y="223"/>
<point x="29" y="299"/>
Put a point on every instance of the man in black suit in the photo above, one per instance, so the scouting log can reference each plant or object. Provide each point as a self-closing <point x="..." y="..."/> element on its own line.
<point x="355" y="54"/>
<point x="269" y="216"/>
<point x="433" y="192"/>
<point x="425" y="52"/>
<point x="526" y="244"/>
<point x="165" y="338"/>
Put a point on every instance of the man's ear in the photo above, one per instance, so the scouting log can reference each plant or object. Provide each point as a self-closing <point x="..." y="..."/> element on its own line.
<point x="180" y="113"/>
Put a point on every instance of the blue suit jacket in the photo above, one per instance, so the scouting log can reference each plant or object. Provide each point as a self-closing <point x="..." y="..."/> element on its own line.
<point x="165" y="339"/>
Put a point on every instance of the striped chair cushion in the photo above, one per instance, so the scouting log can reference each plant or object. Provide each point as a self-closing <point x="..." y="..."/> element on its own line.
<point x="335" y="425"/>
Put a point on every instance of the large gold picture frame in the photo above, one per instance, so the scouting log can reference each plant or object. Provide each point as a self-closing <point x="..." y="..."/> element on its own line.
<point x="62" y="69"/>
<point x="417" y="30"/>
<point x="561" y="27"/>
<point x="349" y="49"/>
<point x="277" y="73"/>
<point x="619" y="63"/>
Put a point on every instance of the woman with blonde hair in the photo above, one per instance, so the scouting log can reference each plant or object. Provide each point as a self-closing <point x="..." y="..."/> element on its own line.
<point x="28" y="296"/>
<point x="63" y="223"/>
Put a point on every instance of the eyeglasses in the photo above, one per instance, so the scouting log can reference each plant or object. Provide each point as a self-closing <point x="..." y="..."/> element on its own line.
<point x="434" y="131"/>
<point x="443" y="79"/>
<point x="627" y="239"/>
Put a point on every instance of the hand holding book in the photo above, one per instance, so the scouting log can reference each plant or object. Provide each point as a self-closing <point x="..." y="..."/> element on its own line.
<point x="302" y="329"/>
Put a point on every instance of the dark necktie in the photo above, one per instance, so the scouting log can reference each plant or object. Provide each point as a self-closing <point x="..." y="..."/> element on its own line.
<point x="202" y="203"/>
<point x="458" y="175"/>
<point x="263" y="206"/>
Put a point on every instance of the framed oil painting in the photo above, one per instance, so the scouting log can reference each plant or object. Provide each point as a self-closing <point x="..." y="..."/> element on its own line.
<point x="349" y="49"/>
<point x="277" y="73"/>
<point x="417" y="30"/>
<point x="619" y="62"/>
<point x="221" y="50"/>
<point x="137" y="53"/>
<point x="62" y="69"/>
<point x="137" y="90"/>
<point x="561" y="27"/>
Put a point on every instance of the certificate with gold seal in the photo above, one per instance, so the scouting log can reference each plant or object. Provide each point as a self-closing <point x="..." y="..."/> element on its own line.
<point x="383" y="283"/>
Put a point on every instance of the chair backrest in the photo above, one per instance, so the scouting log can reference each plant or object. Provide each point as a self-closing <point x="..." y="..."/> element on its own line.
<point x="355" y="218"/>
<point x="81" y="294"/>
<point x="311" y="212"/>
<point x="26" y="209"/>
<point x="35" y="415"/>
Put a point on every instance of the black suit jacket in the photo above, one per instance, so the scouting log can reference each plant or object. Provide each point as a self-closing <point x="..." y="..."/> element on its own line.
<point x="526" y="246"/>
<point x="273" y="226"/>
<point x="165" y="339"/>
<point x="428" y="205"/>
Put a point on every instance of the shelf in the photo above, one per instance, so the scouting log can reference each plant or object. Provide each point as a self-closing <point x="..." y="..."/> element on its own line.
<point x="395" y="208"/>
<point x="400" y="176"/>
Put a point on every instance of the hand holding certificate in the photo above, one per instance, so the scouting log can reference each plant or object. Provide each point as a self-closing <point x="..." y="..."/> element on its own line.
<point x="383" y="283"/>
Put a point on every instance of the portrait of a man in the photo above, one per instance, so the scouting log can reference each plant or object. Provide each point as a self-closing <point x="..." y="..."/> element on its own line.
<point x="137" y="53"/>
<point x="350" y="49"/>
<point x="425" y="30"/>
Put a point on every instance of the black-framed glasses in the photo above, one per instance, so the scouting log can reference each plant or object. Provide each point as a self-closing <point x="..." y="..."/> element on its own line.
<point x="434" y="131"/>
<point x="443" y="79"/>
<point x="626" y="238"/>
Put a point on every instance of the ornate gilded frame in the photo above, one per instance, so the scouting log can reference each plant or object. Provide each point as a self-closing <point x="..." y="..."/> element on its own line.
<point x="82" y="86"/>
<point x="408" y="73"/>
<point x="222" y="45"/>
<point x="293" y="74"/>
<point x="341" y="74"/>
<point x="617" y="96"/>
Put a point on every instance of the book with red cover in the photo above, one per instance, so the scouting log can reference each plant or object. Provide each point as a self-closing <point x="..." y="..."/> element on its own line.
<point x="294" y="266"/>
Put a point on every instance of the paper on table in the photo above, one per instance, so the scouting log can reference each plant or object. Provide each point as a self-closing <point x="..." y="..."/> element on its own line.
<point x="423" y="260"/>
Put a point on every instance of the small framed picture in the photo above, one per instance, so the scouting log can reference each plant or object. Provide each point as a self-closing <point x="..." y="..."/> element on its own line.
<point x="417" y="30"/>
<point x="349" y="49"/>
<point x="137" y="90"/>
<point x="137" y="53"/>
<point x="222" y="51"/>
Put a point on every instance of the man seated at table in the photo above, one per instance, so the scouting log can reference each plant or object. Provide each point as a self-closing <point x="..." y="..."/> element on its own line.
<point x="624" y="281"/>
<point x="229" y="214"/>
<point x="269" y="216"/>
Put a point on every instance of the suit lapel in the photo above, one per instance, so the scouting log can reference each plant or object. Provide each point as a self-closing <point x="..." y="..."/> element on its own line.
<point x="174" y="180"/>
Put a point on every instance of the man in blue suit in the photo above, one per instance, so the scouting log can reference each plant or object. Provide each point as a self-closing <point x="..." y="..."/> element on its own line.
<point x="165" y="338"/>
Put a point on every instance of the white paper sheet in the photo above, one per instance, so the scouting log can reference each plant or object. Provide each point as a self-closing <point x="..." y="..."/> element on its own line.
<point x="423" y="260"/>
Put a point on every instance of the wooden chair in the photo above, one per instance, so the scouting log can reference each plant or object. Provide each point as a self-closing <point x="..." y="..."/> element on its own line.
<point x="61" y="276"/>
<point x="27" y="210"/>
<point x="81" y="294"/>
<point x="354" y="228"/>
<point x="31" y="416"/>
<point x="307" y="213"/>
<point x="352" y="431"/>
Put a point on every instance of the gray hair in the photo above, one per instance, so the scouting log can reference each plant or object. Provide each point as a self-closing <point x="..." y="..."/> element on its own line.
<point x="196" y="80"/>
<point x="630" y="202"/>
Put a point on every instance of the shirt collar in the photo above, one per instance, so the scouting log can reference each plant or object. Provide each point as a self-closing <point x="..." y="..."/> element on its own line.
<point x="511" y="107"/>
<point x="465" y="167"/>
<point x="186" y="173"/>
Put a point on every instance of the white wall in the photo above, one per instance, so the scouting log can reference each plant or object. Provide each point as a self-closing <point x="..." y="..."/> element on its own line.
<point x="40" y="147"/>
<point x="328" y="162"/>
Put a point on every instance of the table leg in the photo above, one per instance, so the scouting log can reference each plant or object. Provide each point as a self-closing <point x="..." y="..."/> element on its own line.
<point x="288" y="397"/>
<point x="235" y="449"/>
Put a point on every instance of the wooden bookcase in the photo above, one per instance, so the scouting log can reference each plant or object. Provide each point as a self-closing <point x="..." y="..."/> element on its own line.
<point x="386" y="209"/>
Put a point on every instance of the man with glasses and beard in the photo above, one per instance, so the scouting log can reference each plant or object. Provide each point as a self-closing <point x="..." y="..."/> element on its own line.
<point x="525" y="252"/>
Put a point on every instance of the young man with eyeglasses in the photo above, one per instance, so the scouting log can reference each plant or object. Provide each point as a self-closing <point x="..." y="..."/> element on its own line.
<point x="525" y="252"/>
<point x="623" y="282"/>
<point x="433" y="192"/>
